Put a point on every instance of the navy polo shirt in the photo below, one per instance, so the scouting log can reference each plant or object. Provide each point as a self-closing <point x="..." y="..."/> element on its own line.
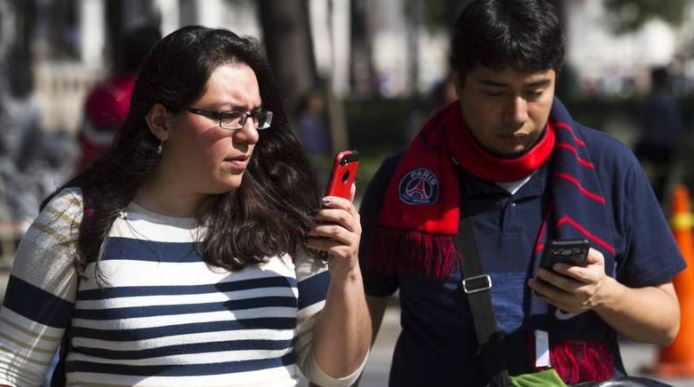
<point x="437" y="345"/>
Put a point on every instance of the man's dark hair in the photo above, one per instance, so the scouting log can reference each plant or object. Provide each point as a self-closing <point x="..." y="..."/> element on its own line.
<point x="523" y="35"/>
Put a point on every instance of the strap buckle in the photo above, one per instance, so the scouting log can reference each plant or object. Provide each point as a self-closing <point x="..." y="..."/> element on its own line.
<point x="477" y="284"/>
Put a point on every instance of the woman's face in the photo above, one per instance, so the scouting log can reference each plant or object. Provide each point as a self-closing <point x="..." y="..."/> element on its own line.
<point x="198" y="153"/>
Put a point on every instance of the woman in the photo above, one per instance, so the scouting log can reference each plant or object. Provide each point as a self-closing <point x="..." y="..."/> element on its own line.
<point x="177" y="259"/>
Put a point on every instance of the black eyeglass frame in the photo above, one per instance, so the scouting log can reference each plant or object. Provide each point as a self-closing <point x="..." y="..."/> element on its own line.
<point x="218" y="116"/>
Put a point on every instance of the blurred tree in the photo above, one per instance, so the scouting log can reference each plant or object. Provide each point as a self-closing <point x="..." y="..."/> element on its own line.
<point x="437" y="14"/>
<point x="452" y="9"/>
<point x="362" y="72"/>
<point x="123" y="15"/>
<point x="19" y="54"/>
<point x="630" y="15"/>
<point x="413" y="15"/>
<point x="287" y="39"/>
<point x="114" y="29"/>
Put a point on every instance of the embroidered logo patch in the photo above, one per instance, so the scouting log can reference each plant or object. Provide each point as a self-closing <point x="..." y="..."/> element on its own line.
<point x="419" y="187"/>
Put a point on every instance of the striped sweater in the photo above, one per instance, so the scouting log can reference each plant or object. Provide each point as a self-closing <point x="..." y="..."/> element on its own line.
<point x="163" y="317"/>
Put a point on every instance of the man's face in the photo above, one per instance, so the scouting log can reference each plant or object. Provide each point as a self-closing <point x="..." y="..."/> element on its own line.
<point x="506" y="110"/>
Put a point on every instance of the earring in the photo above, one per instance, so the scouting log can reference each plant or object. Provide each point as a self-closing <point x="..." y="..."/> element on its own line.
<point x="160" y="148"/>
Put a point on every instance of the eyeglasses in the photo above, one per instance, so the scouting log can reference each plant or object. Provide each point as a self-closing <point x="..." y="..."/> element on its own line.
<point x="236" y="119"/>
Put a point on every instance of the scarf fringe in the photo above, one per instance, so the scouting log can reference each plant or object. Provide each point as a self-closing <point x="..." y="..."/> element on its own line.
<point x="580" y="361"/>
<point x="411" y="253"/>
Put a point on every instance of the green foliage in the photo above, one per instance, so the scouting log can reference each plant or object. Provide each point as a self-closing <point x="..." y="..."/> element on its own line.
<point x="380" y="127"/>
<point x="434" y="15"/>
<point x="630" y="15"/>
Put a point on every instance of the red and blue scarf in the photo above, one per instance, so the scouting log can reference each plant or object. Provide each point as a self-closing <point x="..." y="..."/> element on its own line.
<point x="421" y="213"/>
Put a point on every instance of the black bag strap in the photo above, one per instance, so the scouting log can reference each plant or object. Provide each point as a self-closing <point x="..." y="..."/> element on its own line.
<point x="477" y="285"/>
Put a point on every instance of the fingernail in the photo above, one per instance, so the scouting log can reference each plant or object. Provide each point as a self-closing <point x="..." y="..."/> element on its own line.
<point x="325" y="201"/>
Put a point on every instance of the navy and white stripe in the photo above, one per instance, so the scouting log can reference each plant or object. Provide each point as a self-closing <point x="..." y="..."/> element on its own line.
<point x="164" y="317"/>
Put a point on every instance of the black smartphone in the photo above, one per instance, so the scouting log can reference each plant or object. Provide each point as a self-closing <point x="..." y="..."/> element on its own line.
<point x="343" y="174"/>
<point x="568" y="251"/>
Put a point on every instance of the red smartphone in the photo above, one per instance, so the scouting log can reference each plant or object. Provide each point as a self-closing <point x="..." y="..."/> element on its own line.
<point x="343" y="174"/>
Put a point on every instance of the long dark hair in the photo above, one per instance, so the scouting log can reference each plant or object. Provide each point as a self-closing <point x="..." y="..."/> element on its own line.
<point x="265" y="216"/>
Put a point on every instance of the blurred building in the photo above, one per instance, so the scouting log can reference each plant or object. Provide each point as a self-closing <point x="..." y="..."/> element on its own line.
<point x="619" y="64"/>
<point x="74" y="45"/>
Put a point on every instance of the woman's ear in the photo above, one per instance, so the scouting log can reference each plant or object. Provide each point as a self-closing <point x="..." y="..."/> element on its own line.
<point x="156" y="121"/>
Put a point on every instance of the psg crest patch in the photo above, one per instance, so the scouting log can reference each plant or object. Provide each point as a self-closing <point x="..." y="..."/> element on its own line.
<point x="419" y="187"/>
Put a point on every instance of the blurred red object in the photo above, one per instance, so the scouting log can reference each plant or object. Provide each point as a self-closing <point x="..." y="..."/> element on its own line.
<point x="106" y="108"/>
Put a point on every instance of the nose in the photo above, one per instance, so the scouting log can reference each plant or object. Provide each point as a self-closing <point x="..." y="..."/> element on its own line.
<point x="248" y="133"/>
<point x="516" y="111"/>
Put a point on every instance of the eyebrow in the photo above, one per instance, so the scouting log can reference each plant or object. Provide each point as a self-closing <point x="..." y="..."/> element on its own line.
<point x="235" y="108"/>
<point x="540" y="83"/>
<point x="535" y="84"/>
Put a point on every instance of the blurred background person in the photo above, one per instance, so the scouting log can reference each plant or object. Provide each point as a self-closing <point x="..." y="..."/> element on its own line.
<point x="440" y="95"/>
<point x="661" y="128"/>
<point x="312" y="128"/>
<point x="32" y="161"/>
<point x="311" y="125"/>
<point x="443" y="93"/>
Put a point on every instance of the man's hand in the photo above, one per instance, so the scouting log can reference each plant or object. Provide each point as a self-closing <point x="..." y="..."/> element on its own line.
<point x="649" y="313"/>
<point x="575" y="289"/>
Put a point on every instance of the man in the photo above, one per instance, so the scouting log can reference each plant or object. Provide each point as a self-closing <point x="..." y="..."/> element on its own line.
<point x="508" y="155"/>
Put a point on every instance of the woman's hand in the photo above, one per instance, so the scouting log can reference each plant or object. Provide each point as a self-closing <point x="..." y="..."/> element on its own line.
<point x="337" y="232"/>
<point x="342" y="334"/>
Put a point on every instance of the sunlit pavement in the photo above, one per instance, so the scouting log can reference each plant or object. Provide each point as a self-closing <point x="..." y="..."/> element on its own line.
<point x="634" y="355"/>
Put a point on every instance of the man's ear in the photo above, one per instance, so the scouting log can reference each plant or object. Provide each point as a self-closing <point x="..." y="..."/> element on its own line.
<point x="455" y="77"/>
<point x="156" y="121"/>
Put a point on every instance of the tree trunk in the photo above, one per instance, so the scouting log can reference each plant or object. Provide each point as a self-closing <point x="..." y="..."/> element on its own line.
<point x="362" y="72"/>
<point x="453" y="8"/>
<point x="287" y="39"/>
<point x="413" y="16"/>
<point x="19" y="56"/>
<point x="122" y="16"/>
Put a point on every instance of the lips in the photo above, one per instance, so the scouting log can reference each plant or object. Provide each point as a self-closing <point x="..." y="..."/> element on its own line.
<point x="513" y="136"/>
<point x="511" y="141"/>
<point x="512" y="131"/>
<point x="238" y="162"/>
